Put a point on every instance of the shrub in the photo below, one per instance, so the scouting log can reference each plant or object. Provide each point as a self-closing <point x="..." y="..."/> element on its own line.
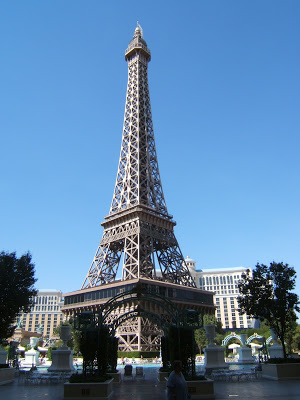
<point x="282" y="361"/>
<point x="138" y="354"/>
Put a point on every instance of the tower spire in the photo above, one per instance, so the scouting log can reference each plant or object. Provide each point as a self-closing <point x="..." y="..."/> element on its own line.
<point x="138" y="229"/>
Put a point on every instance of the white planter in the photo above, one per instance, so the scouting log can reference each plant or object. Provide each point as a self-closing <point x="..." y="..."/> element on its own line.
<point x="243" y="338"/>
<point x="31" y="358"/>
<point x="65" y="335"/>
<point x="62" y="360"/>
<point x="214" y="357"/>
<point x="89" y="391"/>
<point x="279" y="372"/>
<point x="201" y="389"/>
<point x="210" y="333"/>
<point x="245" y="355"/>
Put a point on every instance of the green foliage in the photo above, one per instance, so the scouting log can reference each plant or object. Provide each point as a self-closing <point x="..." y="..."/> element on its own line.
<point x="200" y="337"/>
<point x="182" y="346"/>
<point x="88" y="348"/>
<point x="267" y="295"/>
<point x="209" y="319"/>
<point x="16" y="289"/>
<point x="165" y="352"/>
<point x="76" y="335"/>
<point x="49" y="352"/>
<point x="295" y="342"/>
<point x="11" y="354"/>
<point x="99" y="350"/>
<point x="282" y="361"/>
<point x="113" y="343"/>
<point x="103" y="347"/>
<point x="72" y="343"/>
<point x="138" y="354"/>
<point x="27" y="347"/>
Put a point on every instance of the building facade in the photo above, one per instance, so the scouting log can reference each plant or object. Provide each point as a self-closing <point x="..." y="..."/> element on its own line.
<point x="45" y="315"/>
<point x="224" y="283"/>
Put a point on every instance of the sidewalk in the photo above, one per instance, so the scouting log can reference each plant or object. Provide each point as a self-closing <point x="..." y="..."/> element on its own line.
<point x="150" y="389"/>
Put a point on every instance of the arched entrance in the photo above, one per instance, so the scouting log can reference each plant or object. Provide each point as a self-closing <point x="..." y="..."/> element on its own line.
<point x="228" y="338"/>
<point x="139" y="318"/>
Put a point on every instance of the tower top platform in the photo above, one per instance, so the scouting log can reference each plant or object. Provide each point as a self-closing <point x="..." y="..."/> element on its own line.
<point x="137" y="45"/>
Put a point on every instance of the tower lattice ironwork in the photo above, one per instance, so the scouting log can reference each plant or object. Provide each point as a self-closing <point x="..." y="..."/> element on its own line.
<point x="139" y="231"/>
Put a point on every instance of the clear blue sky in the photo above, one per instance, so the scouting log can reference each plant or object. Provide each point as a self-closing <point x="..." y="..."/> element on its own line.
<point x="224" y="86"/>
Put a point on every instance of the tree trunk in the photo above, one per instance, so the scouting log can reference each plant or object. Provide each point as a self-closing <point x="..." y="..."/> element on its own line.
<point x="283" y="347"/>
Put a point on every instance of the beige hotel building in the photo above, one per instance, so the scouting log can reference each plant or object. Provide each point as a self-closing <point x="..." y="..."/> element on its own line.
<point x="224" y="283"/>
<point x="45" y="315"/>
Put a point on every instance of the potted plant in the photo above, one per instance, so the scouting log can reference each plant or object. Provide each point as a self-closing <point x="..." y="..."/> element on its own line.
<point x="95" y="344"/>
<point x="200" y="387"/>
<point x="113" y="359"/>
<point x="80" y="386"/>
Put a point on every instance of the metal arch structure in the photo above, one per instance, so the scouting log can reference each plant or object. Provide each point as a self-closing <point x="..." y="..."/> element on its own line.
<point x="256" y="336"/>
<point x="227" y="339"/>
<point x="157" y="319"/>
<point x="137" y="297"/>
<point x="139" y="232"/>
<point x="138" y="319"/>
<point x="141" y="318"/>
<point x="269" y="340"/>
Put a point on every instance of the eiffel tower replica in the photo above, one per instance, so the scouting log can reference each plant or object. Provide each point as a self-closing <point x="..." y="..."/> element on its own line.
<point x="139" y="231"/>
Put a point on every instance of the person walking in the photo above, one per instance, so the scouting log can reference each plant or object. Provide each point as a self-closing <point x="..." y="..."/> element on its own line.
<point x="176" y="384"/>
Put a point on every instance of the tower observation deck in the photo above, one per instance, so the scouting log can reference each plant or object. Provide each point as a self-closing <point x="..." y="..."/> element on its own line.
<point x="138" y="237"/>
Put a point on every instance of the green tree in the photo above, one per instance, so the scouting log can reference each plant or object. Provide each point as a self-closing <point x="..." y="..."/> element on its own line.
<point x="16" y="289"/>
<point x="200" y="337"/>
<point x="290" y="337"/>
<point x="72" y="342"/>
<point x="296" y="340"/>
<point x="266" y="295"/>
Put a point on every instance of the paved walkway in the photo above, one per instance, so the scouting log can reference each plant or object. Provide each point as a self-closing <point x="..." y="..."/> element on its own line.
<point x="150" y="389"/>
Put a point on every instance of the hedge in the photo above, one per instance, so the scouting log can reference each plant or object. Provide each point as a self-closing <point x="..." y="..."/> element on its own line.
<point x="138" y="354"/>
